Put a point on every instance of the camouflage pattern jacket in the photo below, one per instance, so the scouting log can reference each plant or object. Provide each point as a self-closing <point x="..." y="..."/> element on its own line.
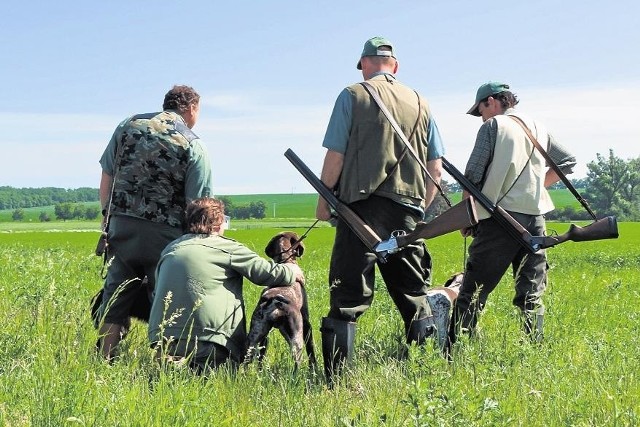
<point x="158" y="165"/>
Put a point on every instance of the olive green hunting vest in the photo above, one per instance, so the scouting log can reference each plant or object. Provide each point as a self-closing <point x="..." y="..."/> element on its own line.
<point x="374" y="162"/>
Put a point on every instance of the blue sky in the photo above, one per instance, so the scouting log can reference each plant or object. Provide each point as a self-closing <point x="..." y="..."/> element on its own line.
<point x="269" y="73"/>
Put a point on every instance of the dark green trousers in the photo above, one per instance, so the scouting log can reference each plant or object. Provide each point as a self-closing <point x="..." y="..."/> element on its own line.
<point x="407" y="274"/>
<point x="491" y="253"/>
<point x="135" y="246"/>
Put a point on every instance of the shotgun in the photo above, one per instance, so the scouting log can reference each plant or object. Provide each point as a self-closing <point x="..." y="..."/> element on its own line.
<point x="605" y="228"/>
<point x="455" y="218"/>
<point x="355" y="223"/>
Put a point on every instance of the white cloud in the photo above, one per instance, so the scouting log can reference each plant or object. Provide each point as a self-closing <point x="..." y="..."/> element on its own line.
<point x="247" y="136"/>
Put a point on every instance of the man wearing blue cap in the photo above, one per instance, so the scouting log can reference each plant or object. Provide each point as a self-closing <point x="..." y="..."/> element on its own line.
<point x="368" y="165"/>
<point x="512" y="173"/>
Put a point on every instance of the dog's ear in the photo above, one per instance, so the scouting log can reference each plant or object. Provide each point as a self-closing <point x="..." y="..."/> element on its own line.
<point x="271" y="250"/>
<point x="300" y="247"/>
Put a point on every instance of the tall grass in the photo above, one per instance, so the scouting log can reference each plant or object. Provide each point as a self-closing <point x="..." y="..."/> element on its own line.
<point x="585" y="373"/>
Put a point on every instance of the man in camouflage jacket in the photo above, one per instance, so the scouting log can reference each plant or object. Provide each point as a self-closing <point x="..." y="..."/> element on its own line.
<point x="152" y="167"/>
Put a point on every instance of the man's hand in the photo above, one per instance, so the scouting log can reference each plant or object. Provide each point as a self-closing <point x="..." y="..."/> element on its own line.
<point x="466" y="232"/>
<point x="323" y="211"/>
<point x="331" y="170"/>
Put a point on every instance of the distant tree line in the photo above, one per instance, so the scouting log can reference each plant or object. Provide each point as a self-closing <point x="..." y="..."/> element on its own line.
<point x="255" y="210"/>
<point x="62" y="211"/>
<point x="612" y="187"/>
<point x="65" y="211"/>
<point x="15" y="198"/>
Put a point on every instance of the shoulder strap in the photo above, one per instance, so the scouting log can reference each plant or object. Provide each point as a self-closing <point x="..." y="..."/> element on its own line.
<point x="374" y="94"/>
<point x="553" y="166"/>
<point x="404" y="150"/>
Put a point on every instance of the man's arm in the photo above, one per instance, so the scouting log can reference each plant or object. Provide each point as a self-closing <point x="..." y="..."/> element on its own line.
<point x="335" y="141"/>
<point x="562" y="158"/>
<point x="198" y="179"/>
<point x="106" y="182"/>
<point x="479" y="159"/>
<point x="331" y="170"/>
<point x="434" y="167"/>
<point x="482" y="152"/>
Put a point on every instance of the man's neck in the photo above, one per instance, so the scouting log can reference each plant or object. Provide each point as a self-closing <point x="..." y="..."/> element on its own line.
<point x="380" y="73"/>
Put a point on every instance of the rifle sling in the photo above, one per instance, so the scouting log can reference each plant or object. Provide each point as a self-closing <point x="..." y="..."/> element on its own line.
<point x="553" y="166"/>
<point x="374" y="94"/>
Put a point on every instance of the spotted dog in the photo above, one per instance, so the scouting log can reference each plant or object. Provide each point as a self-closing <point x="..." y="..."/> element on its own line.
<point x="282" y="307"/>
<point x="441" y="299"/>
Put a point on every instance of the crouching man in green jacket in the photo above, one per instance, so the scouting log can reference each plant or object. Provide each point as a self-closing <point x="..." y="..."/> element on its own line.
<point x="198" y="309"/>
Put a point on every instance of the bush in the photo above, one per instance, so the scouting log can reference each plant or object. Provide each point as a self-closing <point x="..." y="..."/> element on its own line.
<point x="18" y="214"/>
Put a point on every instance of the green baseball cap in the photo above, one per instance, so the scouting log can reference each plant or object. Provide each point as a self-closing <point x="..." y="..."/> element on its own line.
<point x="485" y="91"/>
<point x="371" y="48"/>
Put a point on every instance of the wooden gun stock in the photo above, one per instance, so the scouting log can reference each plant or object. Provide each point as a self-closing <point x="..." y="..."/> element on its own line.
<point x="357" y="225"/>
<point x="605" y="228"/>
<point x="460" y="216"/>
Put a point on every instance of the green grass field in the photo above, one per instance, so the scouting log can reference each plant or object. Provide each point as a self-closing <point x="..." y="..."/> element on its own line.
<point x="586" y="373"/>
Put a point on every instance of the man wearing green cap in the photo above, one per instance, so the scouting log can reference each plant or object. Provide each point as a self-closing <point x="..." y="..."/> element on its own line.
<point x="368" y="165"/>
<point x="512" y="173"/>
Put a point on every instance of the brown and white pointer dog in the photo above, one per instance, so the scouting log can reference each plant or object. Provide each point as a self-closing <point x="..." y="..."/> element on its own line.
<point x="441" y="299"/>
<point x="282" y="307"/>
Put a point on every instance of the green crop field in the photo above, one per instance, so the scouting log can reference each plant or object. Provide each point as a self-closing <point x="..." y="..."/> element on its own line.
<point x="586" y="372"/>
<point x="297" y="205"/>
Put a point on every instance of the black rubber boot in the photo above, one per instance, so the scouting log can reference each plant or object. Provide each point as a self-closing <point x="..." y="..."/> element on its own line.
<point x="534" y="326"/>
<point x="452" y="334"/>
<point x="462" y="320"/>
<point x="338" y="337"/>
<point x="419" y="330"/>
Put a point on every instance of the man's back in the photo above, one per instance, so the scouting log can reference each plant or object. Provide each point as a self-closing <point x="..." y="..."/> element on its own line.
<point x="150" y="176"/>
<point x="374" y="159"/>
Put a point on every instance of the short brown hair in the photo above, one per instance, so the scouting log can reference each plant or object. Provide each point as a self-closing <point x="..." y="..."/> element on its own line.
<point x="204" y="215"/>
<point x="180" y="98"/>
<point x="506" y="99"/>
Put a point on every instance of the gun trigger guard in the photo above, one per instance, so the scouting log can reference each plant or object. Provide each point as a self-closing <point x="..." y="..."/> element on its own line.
<point x="387" y="247"/>
<point x="398" y="233"/>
